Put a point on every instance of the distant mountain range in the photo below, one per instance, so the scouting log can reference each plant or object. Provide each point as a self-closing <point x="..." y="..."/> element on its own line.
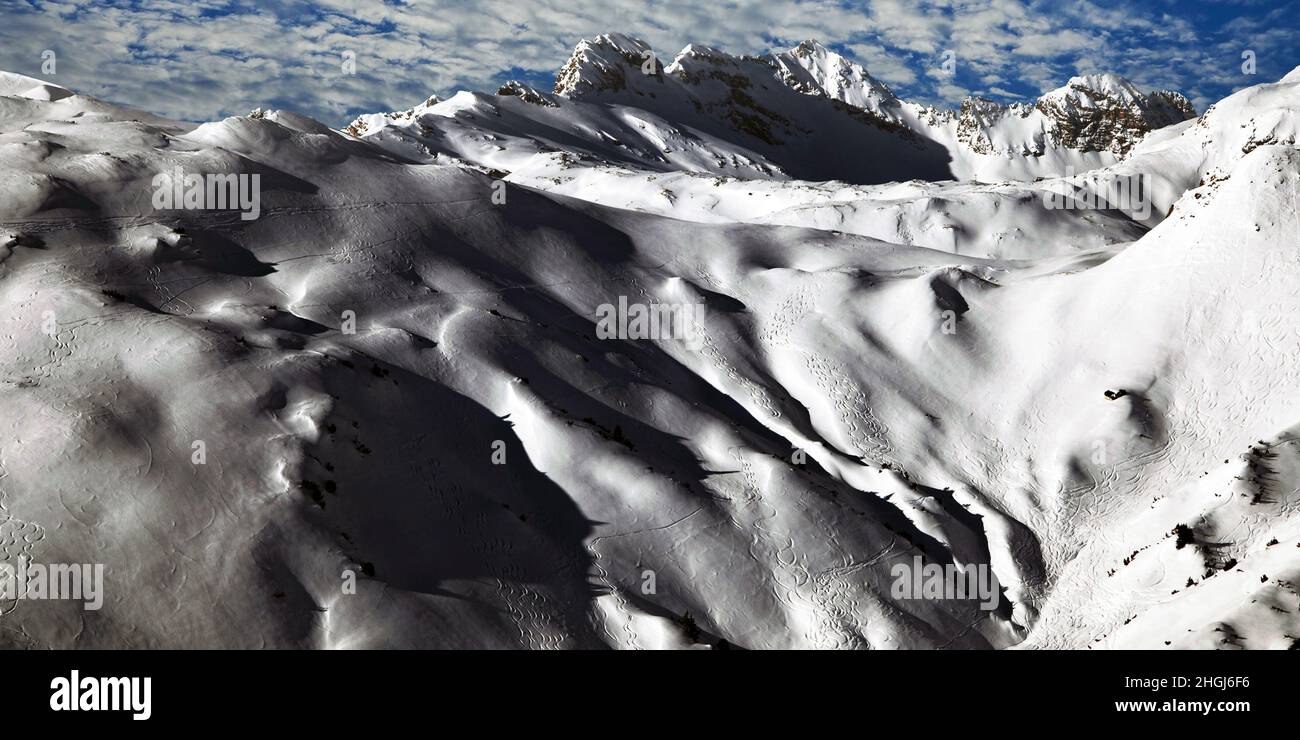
<point x="807" y="113"/>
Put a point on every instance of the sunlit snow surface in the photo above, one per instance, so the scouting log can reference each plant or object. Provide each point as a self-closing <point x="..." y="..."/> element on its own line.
<point x="650" y="495"/>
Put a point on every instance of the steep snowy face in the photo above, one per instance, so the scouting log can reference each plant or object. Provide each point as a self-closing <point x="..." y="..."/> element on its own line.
<point x="988" y="127"/>
<point x="814" y="69"/>
<point x="736" y="91"/>
<point x="608" y="64"/>
<point x="1166" y="107"/>
<point x="1250" y="118"/>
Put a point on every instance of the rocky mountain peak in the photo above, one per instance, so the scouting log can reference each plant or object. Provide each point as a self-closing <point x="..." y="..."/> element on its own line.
<point x="814" y="69"/>
<point x="1105" y="112"/>
<point x="609" y="63"/>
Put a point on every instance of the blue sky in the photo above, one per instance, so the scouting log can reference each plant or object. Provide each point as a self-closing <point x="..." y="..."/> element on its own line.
<point x="204" y="59"/>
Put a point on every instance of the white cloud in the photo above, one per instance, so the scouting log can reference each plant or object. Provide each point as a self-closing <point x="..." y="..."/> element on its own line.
<point x="891" y="67"/>
<point x="1000" y="92"/>
<point x="950" y="93"/>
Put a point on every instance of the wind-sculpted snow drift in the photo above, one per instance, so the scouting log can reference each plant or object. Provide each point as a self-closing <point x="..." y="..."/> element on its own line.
<point x="396" y="370"/>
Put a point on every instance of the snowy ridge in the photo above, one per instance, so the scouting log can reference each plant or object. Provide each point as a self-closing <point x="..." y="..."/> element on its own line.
<point x="812" y="68"/>
<point x="747" y="116"/>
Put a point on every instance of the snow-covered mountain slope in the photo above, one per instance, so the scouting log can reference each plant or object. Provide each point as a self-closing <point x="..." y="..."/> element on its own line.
<point x="813" y="69"/>
<point x="1093" y="113"/>
<point x="706" y="112"/>
<point x="807" y="114"/>
<point x="1007" y="220"/>
<point x="1095" y="405"/>
<point x="20" y="86"/>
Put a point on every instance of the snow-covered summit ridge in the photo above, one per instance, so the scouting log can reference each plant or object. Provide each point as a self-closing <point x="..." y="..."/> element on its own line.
<point x="606" y="63"/>
<point x="813" y="68"/>
<point x="805" y="113"/>
<point x="613" y="63"/>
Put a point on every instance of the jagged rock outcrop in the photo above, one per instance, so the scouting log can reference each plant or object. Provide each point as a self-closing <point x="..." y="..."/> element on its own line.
<point x="1108" y="113"/>
<point x="609" y="63"/>
<point x="526" y="93"/>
